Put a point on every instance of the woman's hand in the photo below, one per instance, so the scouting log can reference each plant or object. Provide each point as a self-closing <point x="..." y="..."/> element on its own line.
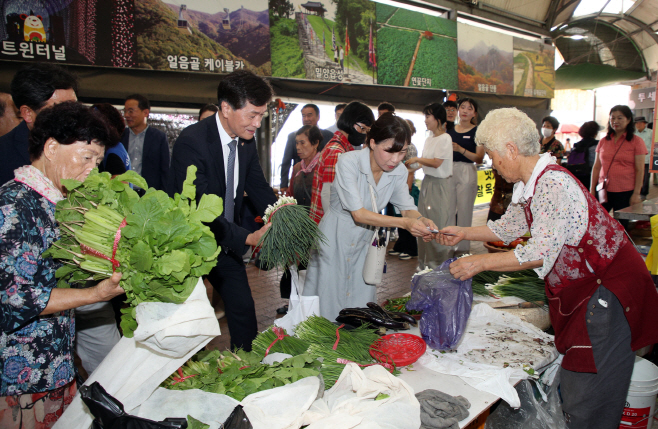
<point x="468" y="266"/>
<point x="635" y="199"/>
<point x="457" y="148"/>
<point x="419" y="228"/>
<point x="451" y="240"/>
<point x="411" y="160"/>
<point x="109" y="288"/>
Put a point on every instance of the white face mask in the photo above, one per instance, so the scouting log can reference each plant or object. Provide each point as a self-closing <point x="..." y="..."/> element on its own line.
<point x="546" y="132"/>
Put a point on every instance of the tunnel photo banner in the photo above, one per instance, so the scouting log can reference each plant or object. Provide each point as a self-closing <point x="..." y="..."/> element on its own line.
<point x="86" y="32"/>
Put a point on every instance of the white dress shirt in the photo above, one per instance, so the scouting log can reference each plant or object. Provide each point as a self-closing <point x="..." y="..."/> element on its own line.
<point x="226" y="139"/>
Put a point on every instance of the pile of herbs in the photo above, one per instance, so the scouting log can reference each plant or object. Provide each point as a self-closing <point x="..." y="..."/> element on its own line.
<point x="163" y="249"/>
<point x="399" y="304"/>
<point x="291" y="237"/>
<point x="270" y="341"/>
<point x="337" y="347"/>
<point x="239" y="374"/>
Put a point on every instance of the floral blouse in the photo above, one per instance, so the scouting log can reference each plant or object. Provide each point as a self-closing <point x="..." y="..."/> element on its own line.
<point x="560" y="216"/>
<point x="554" y="147"/>
<point x="35" y="351"/>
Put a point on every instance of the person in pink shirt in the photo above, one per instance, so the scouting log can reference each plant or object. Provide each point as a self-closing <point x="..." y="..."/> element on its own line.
<point x="619" y="162"/>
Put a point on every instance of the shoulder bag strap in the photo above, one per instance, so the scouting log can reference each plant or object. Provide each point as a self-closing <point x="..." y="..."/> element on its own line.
<point x="605" y="179"/>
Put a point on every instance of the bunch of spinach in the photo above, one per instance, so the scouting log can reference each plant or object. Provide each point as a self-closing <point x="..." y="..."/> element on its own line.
<point x="239" y="374"/>
<point x="164" y="246"/>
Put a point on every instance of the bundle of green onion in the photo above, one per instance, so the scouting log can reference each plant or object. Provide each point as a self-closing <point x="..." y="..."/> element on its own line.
<point x="336" y="347"/>
<point x="159" y="244"/>
<point x="291" y="237"/>
<point x="270" y="341"/>
<point x="524" y="284"/>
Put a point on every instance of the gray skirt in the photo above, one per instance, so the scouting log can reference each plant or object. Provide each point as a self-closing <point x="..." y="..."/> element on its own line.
<point x="434" y="203"/>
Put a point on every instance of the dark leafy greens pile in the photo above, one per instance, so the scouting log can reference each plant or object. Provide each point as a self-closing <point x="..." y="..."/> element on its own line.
<point x="163" y="249"/>
<point x="239" y="374"/>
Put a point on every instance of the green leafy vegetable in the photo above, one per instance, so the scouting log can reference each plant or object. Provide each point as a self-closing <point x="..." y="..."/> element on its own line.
<point x="163" y="249"/>
<point x="239" y="374"/>
<point x="193" y="423"/>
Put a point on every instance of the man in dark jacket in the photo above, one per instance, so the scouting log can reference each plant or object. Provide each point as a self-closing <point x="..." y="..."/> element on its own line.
<point x="147" y="146"/>
<point x="33" y="88"/>
<point x="223" y="149"/>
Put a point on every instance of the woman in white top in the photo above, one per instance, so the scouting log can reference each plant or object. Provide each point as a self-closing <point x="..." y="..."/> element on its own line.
<point x="437" y="189"/>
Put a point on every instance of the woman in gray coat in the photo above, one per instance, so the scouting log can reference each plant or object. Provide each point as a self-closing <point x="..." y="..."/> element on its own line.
<point x="335" y="272"/>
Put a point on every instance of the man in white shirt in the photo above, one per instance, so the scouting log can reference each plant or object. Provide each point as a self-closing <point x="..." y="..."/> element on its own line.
<point x="646" y="134"/>
<point x="223" y="149"/>
<point x="337" y="112"/>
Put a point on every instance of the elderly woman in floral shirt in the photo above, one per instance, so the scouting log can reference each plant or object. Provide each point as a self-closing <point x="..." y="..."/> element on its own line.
<point x="36" y="318"/>
<point x="602" y="300"/>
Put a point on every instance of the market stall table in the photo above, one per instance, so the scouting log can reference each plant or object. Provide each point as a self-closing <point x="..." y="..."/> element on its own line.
<point x="640" y="211"/>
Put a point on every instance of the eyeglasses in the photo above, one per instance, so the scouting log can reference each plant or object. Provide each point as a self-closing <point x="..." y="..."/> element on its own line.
<point x="451" y="110"/>
<point x="363" y="128"/>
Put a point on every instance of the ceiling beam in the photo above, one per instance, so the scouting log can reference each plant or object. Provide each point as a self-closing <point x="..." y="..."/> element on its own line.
<point x="641" y="25"/>
<point x="512" y="22"/>
<point x="552" y="13"/>
<point x="563" y="8"/>
<point x="635" y="6"/>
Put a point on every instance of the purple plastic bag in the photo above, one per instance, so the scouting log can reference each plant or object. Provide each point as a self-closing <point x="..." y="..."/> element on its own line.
<point x="446" y="305"/>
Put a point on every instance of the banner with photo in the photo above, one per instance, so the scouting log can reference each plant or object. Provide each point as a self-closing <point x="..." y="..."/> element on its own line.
<point x="205" y="36"/>
<point x="89" y="32"/>
<point x="332" y="40"/>
<point x="534" y="68"/>
<point x="485" y="60"/>
<point x="416" y="49"/>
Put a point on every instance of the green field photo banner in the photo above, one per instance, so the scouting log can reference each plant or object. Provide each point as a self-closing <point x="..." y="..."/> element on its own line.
<point x="534" y="68"/>
<point x="415" y="49"/>
<point x="331" y="41"/>
<point x="485" y="60"/>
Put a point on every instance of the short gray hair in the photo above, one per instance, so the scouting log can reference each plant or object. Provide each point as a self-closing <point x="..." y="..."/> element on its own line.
<point x="508" y="125"/>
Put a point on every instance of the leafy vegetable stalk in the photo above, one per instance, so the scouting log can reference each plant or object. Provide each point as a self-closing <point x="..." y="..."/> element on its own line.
<point x="159" y="244"/>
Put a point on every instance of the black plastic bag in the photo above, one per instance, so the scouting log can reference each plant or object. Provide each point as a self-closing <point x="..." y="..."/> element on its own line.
<point x="237" y="420"/>
<point x="109" y="413"/>
<point x="533" y="413"/>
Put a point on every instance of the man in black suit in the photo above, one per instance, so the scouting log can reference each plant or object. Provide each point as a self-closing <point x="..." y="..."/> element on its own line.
<point x="147" y="146"/>
<point x="218" y="145"/>
<point x="310" y="116"/>
<point x="34" y="87"/>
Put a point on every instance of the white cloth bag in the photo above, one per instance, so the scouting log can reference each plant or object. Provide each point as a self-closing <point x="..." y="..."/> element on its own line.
<point x="373" y="268"/>
<point x="167" y="336"/>
<point x="350" y="403"/>
<point x="300" y="307"/>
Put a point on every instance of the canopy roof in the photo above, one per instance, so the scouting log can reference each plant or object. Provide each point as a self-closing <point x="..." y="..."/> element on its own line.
<point x="617" y="33"/>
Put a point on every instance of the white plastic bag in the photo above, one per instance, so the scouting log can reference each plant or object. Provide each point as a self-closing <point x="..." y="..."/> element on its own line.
<point x="300" y="307"/>
<point x="166" y="337"/>
<point x="210" y="408"/>
<point x="351" y="403"/>
<point x="284" y="406"/>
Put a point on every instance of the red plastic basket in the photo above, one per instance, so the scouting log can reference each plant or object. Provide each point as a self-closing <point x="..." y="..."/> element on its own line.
<point x="401" y="349"/>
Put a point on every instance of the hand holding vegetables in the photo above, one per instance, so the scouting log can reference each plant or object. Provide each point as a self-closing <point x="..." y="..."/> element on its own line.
<point x="160" y="245"/>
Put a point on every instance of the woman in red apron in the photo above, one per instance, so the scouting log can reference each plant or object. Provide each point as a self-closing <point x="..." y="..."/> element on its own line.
<point x="602" y="300"/>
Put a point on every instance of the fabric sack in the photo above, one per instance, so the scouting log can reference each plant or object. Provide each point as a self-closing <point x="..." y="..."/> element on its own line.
<point x="300" y="307"/>
<point x="373" y="268"/>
